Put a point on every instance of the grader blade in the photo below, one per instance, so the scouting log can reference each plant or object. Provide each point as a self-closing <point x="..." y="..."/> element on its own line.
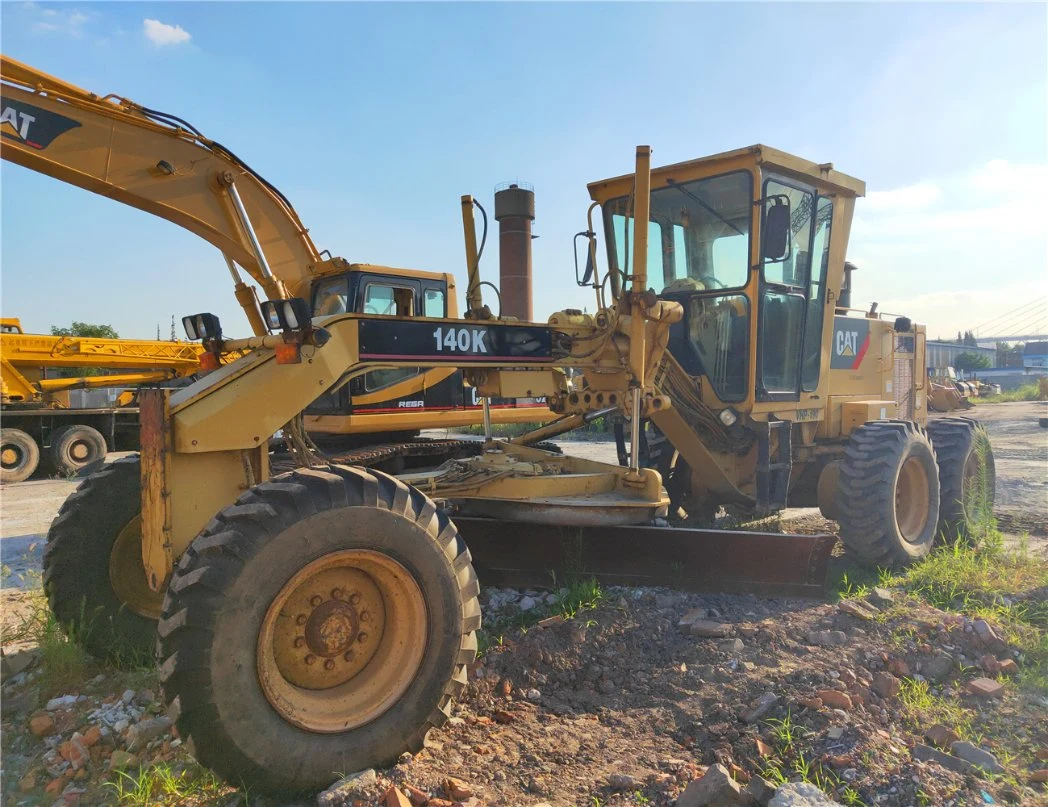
<point x="507" y="553"/>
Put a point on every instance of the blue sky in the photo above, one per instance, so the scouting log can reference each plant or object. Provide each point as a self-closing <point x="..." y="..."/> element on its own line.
<point x="374" y="118"/>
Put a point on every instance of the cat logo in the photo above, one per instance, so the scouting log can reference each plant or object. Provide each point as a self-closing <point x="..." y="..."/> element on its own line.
<point x="847" y="343"/>
<point x="31" y="125"/>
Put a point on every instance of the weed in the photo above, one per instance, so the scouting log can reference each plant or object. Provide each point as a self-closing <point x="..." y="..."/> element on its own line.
<point x="786" y="732"/>
<point x="164" y="784"/>
<point x="925" y="709"/>
<point x="1028" y="392"/>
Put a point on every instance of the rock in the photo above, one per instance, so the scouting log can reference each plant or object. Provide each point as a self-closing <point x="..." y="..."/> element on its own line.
<point x="801" y="794"/>
<point x="1008" y="667"/>
<point x="977" y="756"/>
<point x="925" y="753"/>
<point x="1039" y="776"/>
<point x="759" y="791"/>
<point x="703" y="627"/>
<point x="990" y="663"/>
<point x="74" y="751"/>
<point x="828" y="638"/>
<point x="533" y="695"/>
<point x="27" y="782"/>
<point x="142" y="733"/>
<point x="527" y="603"/>
<point x="41" y="725"/>
<point x="621" y="781"/>
<point x="834" y="699"/>
<point x="835" y="732"/>
<point x="938" y="666"/>
<point x="881" y="596"/>
<point x="55" y="786"/>
<point x="764" y="704"/>
<point x="92" y="736"/>
<point x="896" y="666"/>
<point x="665" y="600"/>
<point x="346" y="788"/>
<point x="858" y="609"/>
<point x="987" y="635"/>
<point x="63" y="702"/>
<point x="394" y="798"/>
<point x="715" y="789"/>
<point x="417" y="797"/>
<point x="127" y="697"/>
<point x="502" y="716"/>
<point x="21" y="703"/>
<point x="731" y="646"/>
<point x="13" y="663"/>
<point x="440" y="803"/>
<point x="886" y="685"/>
<point x="691" y="616"/>
<point x="984" y="688"/>
<point x="121" y="760"/>
<point x="550" y="621"/>
<point x="457" y="789"/>
<point x="940" y="736"/>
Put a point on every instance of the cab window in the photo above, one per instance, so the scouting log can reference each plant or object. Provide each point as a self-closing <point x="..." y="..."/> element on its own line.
<point x="433" y="303"/>
<point x="387" y="300"/>
<point x="330" y="297"/>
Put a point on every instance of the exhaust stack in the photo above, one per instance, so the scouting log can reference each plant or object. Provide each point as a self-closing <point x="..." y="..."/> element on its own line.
<point x="514" y="211"/>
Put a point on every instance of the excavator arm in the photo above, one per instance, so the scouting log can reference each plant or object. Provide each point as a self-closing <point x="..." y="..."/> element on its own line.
<point x="158" y="163"/>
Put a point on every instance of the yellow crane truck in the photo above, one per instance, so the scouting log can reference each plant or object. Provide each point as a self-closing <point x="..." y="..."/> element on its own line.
<point x="313" y="617"/>
<point x="37" y="419"/>
<point x="97" y="143"/>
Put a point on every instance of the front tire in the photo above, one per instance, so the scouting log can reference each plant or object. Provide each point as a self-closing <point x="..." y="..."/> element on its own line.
<point x="967" y="476"/>
<point x="93" y="573"/>
<point x="19" y="454"/>
<point x="330" y="611"/>
<point x="888" y="493"/>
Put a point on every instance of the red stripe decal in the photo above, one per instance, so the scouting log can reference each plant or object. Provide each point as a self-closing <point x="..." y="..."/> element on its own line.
<point x="862" y="352"/>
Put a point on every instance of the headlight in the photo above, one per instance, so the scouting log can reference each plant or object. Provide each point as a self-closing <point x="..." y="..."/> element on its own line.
<point x="728" y="416"/>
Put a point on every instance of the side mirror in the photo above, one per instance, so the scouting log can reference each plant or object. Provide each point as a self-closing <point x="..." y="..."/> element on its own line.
<point x="586" y="279"/>
<point x="775" y="230"/>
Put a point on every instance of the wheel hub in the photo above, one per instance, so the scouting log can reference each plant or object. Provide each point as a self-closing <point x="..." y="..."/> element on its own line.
<point x="10" y="457"/>
<point x="79" y="451"/>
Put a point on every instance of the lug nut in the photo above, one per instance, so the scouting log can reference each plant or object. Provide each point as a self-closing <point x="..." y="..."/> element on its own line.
<point x="348" y="656"/>
<point x="365" y="616"/>
<point x="315" y="600"/>
<point x="299" y="641"/>
<point x="300" y="619"/>
<point x="354" y="598"/>
<point x="310" y="659"/>
<point x="362" y="637"/>
<point x="336" y="594"/>
<point x="329" y="664"/>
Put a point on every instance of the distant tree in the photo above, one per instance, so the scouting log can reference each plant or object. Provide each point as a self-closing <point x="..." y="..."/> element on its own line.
<point x="960" y="339"/>
<point x="969" y="360"/>
<point x="1010" y="355"/>
<point x="970" y="340"/>
<point x="86" y="329"/>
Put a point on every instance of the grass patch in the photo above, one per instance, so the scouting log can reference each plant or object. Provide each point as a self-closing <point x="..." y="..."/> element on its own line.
<point x="64" y="664"/>
<point x="1027" y="392"/>
<point x="169" y="785"/>
<point x="577" y="596"/>
<point x="926" y="709"/>
<point x="790" y="763"/>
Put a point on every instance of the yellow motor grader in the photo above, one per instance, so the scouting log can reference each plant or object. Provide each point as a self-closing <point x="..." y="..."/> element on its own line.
<point x="320" y="617"/>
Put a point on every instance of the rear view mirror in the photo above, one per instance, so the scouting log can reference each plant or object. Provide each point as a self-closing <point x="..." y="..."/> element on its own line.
<point x="775" y="232"/>
<point x="586" y="277"/>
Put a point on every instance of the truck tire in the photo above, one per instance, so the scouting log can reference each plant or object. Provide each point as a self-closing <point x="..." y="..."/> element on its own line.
<point x="967" y="476"/>
<point x="93" y="574"/>
<point x="19" y="456"/>
<point x="888" y="493"/>
<point x="319" y="625"/>
<point x="74" y="447"/>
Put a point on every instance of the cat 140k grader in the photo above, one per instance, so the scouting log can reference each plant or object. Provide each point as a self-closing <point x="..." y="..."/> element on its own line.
<point x="321" y="619"/>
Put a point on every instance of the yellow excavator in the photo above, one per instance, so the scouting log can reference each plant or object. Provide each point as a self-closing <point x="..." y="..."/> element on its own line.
<point x="312" y="617"/>
<point x="97" y="143"/>
<point x="37" y="418"/>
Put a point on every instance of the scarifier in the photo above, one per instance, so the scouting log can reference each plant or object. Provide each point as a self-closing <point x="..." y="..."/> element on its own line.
<point x="322" y="619"/>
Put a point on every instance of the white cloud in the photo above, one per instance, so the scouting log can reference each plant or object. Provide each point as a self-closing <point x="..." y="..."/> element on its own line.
<point x="912" y="197"/>
<point x="160" y="33"/>
<point x="51" y="20"/>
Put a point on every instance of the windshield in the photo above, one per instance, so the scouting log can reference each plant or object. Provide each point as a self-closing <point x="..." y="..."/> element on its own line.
<point x="698" y="236"/>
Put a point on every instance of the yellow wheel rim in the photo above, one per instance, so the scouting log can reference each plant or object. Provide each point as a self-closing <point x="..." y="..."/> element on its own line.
<point x="342" y="641"/>
<point x="10" y="457"/>
<point x="912" y="496"/>
<point x="127" y="573"/>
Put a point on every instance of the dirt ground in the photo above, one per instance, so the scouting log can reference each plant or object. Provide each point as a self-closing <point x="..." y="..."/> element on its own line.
<point x="620" y="696"/>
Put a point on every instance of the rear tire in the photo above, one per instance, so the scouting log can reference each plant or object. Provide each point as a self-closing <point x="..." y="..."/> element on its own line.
<point x="967" y="476"/>
<point x="888" y="494"/>
<point x="20" y="456"/>
<point x="264" y="695"/>
<point x="75" y="447"/>
<point x="93" y="572"/>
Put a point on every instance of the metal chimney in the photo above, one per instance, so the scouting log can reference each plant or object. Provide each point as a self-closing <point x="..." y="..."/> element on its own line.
<point x="514" y="211"/>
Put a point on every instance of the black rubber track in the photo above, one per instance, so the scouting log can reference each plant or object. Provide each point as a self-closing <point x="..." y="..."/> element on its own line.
<point x="958" y="443"/>
<point x="869" y="474"/>
<point x="223" y="585"/>
<point x="76" y="565"/>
